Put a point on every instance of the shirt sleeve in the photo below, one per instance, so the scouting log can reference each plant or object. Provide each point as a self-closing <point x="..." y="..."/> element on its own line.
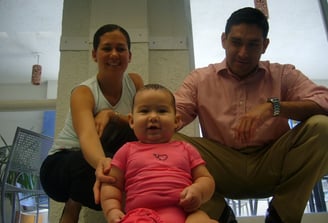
<point x="194" y="155"/>
<point x="120" y="157"/>
<point x="297" y="87"/>
<point x="186" y="99"/>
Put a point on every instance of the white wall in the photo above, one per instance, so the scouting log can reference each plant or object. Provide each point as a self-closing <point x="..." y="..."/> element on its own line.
<point x="12" y="114"/>
<point x="159" y="30"/>
<point x="301" y="23"/>
<point x="297" y="33"/>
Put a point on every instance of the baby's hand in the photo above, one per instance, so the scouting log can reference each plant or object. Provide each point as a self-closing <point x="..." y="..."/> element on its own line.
<point x="115" y="216"/>
<point x="190" y="199"/>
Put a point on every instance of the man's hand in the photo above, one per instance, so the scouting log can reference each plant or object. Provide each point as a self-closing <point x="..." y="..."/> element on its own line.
<point x="251" y="121"/>
<point x="102" y="175"/>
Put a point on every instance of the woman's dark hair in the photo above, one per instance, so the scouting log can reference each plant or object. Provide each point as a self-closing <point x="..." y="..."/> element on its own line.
<point x="248" y="15"/>
<point x="110" y="28"/>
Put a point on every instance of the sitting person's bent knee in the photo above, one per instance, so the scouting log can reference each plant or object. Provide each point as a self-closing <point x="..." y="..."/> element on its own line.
<point x="318" y="123"/>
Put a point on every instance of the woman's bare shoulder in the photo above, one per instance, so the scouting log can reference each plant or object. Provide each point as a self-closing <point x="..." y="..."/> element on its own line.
<point x="137" y="80"/>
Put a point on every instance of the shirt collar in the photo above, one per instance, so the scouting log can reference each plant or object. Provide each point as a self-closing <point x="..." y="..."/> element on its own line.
<point x="222" y="69"/>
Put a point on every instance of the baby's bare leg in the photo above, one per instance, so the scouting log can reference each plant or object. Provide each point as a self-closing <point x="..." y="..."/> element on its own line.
<point x="199" y="216"/>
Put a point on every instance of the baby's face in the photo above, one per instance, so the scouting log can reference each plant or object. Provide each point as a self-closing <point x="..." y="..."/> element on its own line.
<point x="153" y="119"/>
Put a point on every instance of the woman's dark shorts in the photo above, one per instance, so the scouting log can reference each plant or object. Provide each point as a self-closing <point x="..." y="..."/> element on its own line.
<point x="67" y="175"/>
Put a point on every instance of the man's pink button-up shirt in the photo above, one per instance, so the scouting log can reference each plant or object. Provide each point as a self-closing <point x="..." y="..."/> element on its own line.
<point x="220" y="98"/>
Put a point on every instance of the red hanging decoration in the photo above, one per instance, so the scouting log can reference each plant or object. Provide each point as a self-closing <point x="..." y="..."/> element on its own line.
<point x="263" y="6"/>
<point x="36" y="73"/>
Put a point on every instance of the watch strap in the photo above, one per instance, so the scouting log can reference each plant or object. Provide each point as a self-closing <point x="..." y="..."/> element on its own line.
<point x="276" y="105"/>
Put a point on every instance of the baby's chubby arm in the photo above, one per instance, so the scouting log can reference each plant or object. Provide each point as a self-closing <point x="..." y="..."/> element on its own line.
<point x="111" y="197"/>
<point x="200" y="191"/>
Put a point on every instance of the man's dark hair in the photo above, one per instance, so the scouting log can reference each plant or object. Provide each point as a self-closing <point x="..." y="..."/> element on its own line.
<point x="250" y="16"/>
<point x="110" y="28"/>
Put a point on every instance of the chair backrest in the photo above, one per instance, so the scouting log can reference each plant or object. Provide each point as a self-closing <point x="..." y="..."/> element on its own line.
<point x="27" y="153"/>
<point x="29" y="149"/>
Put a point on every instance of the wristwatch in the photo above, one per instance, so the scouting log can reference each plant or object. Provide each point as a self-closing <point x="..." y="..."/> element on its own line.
<point x="276" y="105"/>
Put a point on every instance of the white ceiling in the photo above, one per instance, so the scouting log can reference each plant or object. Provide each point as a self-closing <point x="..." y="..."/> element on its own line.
<point x="33" y="27"/>
<point x="27" y="29"/>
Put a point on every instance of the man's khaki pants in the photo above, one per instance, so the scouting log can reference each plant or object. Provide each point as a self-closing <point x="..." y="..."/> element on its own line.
<point x="288" y="169"/>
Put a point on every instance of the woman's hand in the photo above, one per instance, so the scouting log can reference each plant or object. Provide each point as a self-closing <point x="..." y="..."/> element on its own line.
<point x="102" y="175"/>
<point x="101" y="120"/>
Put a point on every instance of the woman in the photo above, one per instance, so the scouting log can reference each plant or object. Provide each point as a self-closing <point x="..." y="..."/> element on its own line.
<point x="68" y="173"/>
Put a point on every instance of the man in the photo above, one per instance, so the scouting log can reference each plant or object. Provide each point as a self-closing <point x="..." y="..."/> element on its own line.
<point x="243" y="105"/>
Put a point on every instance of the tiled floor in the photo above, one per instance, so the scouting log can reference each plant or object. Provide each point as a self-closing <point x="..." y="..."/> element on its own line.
<point x="307" y="218"/>
<point x="243" y="211"/>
